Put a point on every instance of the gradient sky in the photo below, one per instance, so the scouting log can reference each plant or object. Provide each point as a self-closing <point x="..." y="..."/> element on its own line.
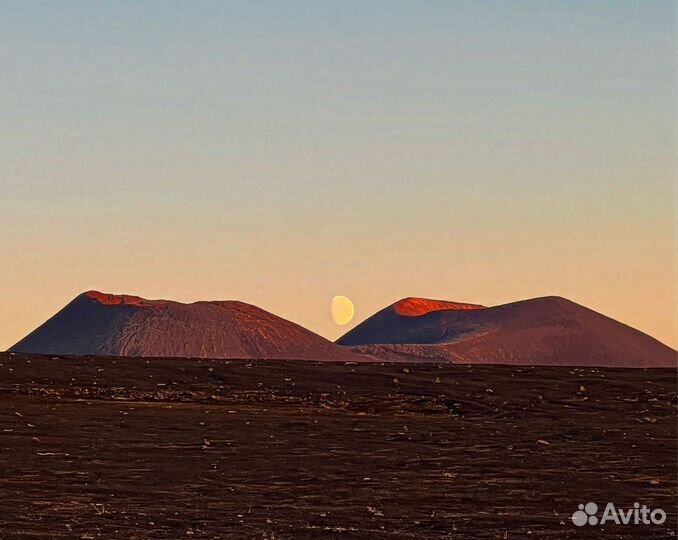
<point x="281" y="153"/>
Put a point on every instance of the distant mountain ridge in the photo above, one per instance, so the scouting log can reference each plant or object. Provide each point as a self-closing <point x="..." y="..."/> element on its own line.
<point x="102" y="324"/>
<point x="541" y="331"/>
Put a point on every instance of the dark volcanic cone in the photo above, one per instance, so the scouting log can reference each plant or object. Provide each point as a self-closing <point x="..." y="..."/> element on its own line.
<point x="120" y="325"/>
<point x="541" y="331"/>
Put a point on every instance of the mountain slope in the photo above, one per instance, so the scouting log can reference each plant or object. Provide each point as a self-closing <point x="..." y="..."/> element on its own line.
<point x="95" y="323"/>
<point x="540" y="331"/>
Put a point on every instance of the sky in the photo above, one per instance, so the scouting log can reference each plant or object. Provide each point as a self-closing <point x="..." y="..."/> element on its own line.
<point x="282" y="153"/>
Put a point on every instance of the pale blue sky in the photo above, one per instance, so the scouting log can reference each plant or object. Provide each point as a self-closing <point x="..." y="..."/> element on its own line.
<point x="284" y="152"/>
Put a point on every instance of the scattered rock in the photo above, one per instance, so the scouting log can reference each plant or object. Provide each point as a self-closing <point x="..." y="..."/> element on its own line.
<point x="374" y="511"/>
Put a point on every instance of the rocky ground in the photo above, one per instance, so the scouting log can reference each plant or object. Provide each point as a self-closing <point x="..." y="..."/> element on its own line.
<point x="165" y="448"/>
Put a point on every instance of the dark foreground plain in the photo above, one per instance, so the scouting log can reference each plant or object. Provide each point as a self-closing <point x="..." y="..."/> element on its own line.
<point x="165" y="448"/>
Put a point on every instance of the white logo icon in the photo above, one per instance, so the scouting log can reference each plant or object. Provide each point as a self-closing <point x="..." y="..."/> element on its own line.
<point x="585" y="514"/>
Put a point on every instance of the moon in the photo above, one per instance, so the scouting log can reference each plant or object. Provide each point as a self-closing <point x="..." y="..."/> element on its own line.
<point x="342" y="310"/>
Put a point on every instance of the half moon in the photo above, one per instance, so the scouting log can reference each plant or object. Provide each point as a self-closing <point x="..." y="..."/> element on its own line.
<point x="342" y="310"/>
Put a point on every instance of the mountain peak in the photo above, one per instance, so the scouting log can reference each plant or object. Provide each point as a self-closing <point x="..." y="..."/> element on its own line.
<point x="549" y="330"/>
<point x="413" y="306"/>
<point x="104" y="324"/>
<point x="116" y="299"/>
